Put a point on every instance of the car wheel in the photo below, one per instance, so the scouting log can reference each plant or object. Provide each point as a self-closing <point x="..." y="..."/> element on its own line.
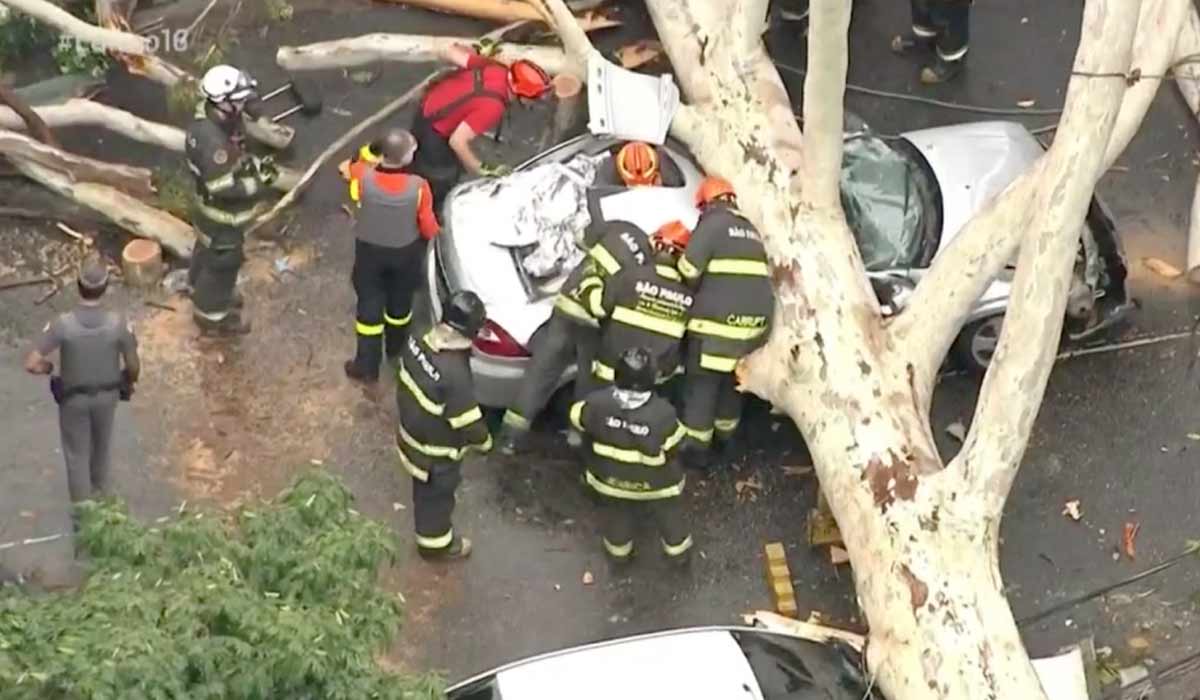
<point x="977" y="342"/>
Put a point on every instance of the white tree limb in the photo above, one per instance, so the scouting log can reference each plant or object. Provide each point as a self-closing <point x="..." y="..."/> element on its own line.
<point x="407" y="48"/>
<point x="89" y="113"/>
<point x="1021" y="367"/>
<point x="1187" y="79"/>
<point x="129" y="179"/>
<point x="64" y="21"/>
<point x="578" y="47"/>
<point x="824" y="92"/>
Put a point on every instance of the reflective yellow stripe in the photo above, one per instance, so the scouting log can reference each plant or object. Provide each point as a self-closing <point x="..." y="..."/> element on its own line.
<point x="734" y="266"/>
<point x="516" y="420"/>
<point x="675" y="437"/>
<point x="717" y="363"/>
<point x="595" y="301"/>
<point x="574" y="309"/>
<point x="686" y="267"/>
<point x="417" y="393"/>
<point x="416" y="472"/>
<point x="466" y="418"/>
<point x="482" y="447"/>
<point x="603" y="371"/>
<point x="674" y="550"/>
<point x="577" y="414"/>
<point x="704" y="436"/>
<point x="605" y="259"/>
<point x="645" y="321"/>
<point x="366" y="155"/>
<point x="668" y="272"/>
<point x="618" y="550"/>
<point x="726" y="425"/>
<point x="221" y="183"/>
<point x="614" y="492"/>
<point x="397" y="321"/>
<point x="228" y="218"/>
<point x="429" y="450"/>
<point x="628" y="456"/>
<point x="439" y="542"/>
<point x="704" y="326"/>
<point x="355" y="189"/>
<point x="369" y="329"/>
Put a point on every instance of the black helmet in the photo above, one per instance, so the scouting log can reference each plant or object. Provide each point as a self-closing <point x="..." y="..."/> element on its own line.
<point x="636" y="370"/>
<point x="397" y="147"/>
<point x="93" y="277"/>
<point x="465" y="313"/>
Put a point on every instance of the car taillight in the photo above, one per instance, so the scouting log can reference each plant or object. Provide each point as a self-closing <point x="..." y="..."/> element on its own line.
<point x="494" y="340"/>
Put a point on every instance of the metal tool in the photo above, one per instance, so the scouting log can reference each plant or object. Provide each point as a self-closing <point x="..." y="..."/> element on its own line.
<point x="307" y="97"/>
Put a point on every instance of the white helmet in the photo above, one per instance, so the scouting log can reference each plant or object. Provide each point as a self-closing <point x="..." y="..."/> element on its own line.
<point x="227" y="84"/>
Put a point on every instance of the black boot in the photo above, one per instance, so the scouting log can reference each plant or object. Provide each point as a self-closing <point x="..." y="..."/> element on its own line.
<point x="509" y="439"/>
<point x="232" y="324"/>
<point x="460" y="548"/>
<point x="941" y="71"/>
<point x="357" y="374"/>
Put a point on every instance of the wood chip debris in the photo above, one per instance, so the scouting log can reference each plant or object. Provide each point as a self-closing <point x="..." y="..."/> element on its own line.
<point x="588" y="578"/>
<point x="1026" y="104"/>
<point x="838" y="556"/>
<point x="1162" y="268"/>
<point x="797" y="471"/>
<point x="957" y="430"/>
<point x="1072" y="511"/>
<point x="748" y="489"/>
<point x="639" y="53"/>
<point x="1129" y="539"/>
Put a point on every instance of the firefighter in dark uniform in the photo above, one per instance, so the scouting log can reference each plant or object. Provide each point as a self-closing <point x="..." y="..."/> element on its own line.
<point x="92" y="343"/>
<point x="631" y="463"/>
<point x="727" y="266"/>
<point x="440" y="421"/>
<point x="573" y="333"/>
<point x="941" y="26"/>
<point x="645" y="306"/>
<point x="459" y="107"/>
<point x="395" y="221"/>
<point x="231" y="188"/>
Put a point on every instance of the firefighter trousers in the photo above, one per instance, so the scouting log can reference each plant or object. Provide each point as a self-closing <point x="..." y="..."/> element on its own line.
<point x="564" y="341"/>
<point x="433" y="506"/>
<point x="213" y="271"/>
<point x="712" y="404"/>
<point x="434" y="160"/>
<point x="945" y="23"/>
<point x="385" y="280"/>
<point x="621" y="519"/>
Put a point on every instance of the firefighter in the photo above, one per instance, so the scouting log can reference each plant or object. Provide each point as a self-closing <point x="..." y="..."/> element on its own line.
<point x="727" y="267"/>
<point x="941" y="26"/>
<point x="572" y="333"/>
<point x="462" y="105"/>
<point x="645" y="306"/>
<point x="631" y="463"/>
<point x="395" y="221"/>
<point x="440" y="421"/>
<point x="231" y="185"/>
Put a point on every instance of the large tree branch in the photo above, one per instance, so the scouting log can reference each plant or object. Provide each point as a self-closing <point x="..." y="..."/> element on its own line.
<point x="408" y="48"/>
<point x="574" y="38"/>
<point x="686" y="42"/>
<point x="824" y="92"/>
<point x="1017" y="377"/>
<point x="88" y="113"/>
<point x="26" y="117"/>
<point x="133" y="181"/>
<point x="64" y="21"/>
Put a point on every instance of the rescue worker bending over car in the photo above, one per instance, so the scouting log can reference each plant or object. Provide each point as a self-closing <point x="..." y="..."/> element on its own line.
<point x="726" y="265"/>
<point x="395" y="220"/>
<point x="631" y="437"/>
<point x="572" y="333"/>
<point x="644" y="307"/>
<point x="440" y="421"/>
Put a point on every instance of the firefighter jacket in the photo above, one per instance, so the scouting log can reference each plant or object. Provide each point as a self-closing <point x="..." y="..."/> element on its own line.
<point x="631" y="451"/>
<point x="646" y="307"/>
<point x="395" y="207"/>
<point x="726" y="264"/>
<point x="229" y="185"/>
<point x="607" y="255"/>
<point x="440" y="420"/>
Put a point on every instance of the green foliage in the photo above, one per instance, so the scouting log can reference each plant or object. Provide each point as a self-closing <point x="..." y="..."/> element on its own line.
<point x="175" y="188"/>
<point x="279" y="10"/>
<point x="22" y="36"/>
<point x="183" y="98"/>
<point x="75" y="56"/>
<point x="279" y="601"/>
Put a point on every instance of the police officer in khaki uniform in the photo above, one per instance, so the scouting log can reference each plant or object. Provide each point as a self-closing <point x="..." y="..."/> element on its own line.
<point x="92" y="343"/>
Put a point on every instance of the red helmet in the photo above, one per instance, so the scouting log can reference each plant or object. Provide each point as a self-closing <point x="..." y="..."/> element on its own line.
<point x="713" y="187"/>
<point x="637" y="164"/>
<point x="527" y="79"/>
<point x="674" y="235"/>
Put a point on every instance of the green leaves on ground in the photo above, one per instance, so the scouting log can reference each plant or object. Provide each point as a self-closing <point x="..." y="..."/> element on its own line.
<point x="277" y="601"/>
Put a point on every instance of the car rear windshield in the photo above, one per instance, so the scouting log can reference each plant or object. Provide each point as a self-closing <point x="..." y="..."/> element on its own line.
<point x="886" y="196"/>
<point x="796" y="669"/>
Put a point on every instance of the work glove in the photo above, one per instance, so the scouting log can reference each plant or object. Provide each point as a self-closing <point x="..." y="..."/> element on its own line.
<point x="266" y="169"/>
<point x="487" y="47"/>
<point x="498" y="170"/>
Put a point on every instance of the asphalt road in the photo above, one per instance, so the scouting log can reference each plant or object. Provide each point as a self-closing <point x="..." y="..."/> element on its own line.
<point x="1113" y="432"/>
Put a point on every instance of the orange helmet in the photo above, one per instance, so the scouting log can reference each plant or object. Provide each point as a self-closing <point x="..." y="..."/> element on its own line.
<point x="527" y="79"/>
<point x="637" y="164"/>
<point x="713" y="187"/>
<point x="674" y="235"/>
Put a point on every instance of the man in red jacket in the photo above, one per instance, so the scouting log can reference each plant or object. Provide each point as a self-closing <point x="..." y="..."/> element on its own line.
<point x="395" y="220"/>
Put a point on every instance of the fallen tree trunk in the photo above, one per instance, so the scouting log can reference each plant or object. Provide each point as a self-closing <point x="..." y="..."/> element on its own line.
<point x="89" y="113"/>
<point x="131" y="180"/>
<point x="1187" y="79"/>
<point x="406" y="48"/>
<point x="64" y="21"/>
<point x="126" y="212"/>
<point x="501" y="11"/>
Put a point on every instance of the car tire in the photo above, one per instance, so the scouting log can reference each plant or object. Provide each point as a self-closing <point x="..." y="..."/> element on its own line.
<point x="976" y="344"/>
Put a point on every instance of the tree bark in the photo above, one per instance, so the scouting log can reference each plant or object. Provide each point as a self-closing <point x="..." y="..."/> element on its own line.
<point x="131" y="180"/>
<point x="497" y="11"/>
<point x="1187" y="79"/>
<point x="27" y="117"/>
<point x="407" y="48"/>
<point x="64" y="21"/>
<point x="88" y="113"/>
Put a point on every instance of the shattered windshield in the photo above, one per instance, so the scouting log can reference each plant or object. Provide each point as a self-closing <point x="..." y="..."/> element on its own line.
<point x="883" y="193"/>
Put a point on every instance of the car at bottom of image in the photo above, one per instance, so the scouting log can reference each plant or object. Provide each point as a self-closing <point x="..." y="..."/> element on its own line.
<point x="906" y="198"/>
<point x="703" y="663"/>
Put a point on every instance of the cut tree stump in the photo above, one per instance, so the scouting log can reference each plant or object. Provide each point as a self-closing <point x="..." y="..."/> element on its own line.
<point x="568" y="91"/>
<point x="142" y="263"/>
